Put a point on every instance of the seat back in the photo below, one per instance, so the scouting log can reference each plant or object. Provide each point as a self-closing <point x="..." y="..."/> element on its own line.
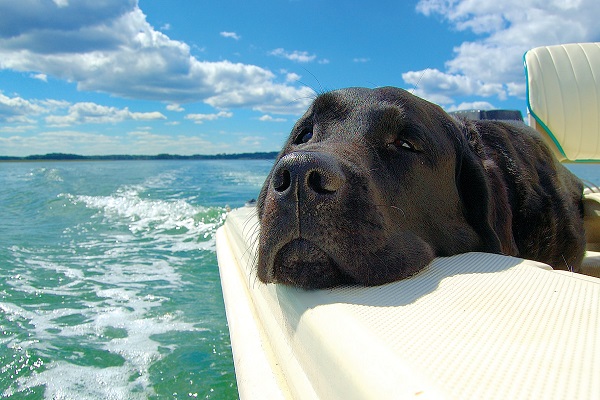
<point x="563" y="98"/>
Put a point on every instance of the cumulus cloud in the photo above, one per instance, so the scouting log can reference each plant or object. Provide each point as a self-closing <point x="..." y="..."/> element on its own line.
<point x="291" y="77"/>
<point x="296" y="56"/>
<point x="201" y="118"/>
<point x="492" y="64"/>
<point x="444" y="86"/>
<point x="110" y="47"/>
<point x="268" y="118"/>
<point x="231" y="35"/>
<point x="18" y="110"/>
<point x="91" y="113"/>
<point x="175" y="107"/>
<point x="475" y="105"/>
<point x="60" y="113"/>
<point x="40" y="77"/>
<point x="52" y="105"/>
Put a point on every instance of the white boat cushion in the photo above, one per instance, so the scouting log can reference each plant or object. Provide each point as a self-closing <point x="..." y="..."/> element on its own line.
<point x="471" y="326"/>
<point x="563" y="96"/>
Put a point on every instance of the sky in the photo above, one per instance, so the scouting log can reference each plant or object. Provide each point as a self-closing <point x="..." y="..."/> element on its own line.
<point x="99" y="77"/>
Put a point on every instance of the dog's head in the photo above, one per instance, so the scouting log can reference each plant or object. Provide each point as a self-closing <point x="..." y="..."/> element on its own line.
<point x="369" y="188"/>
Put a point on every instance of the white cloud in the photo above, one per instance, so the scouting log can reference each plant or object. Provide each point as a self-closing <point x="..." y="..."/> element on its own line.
<point x="231" y="35"/>
<point x="110" y="47"/>
<point x="292" y="77"/>
<point x="58" y="142"/>
<point x="268" y="118"/>
<point x="91" y="113"/>
<point x="61" y="3"/>
<point x="61" y="113"/>
<point x="175" y="107"/>
<point x="444" y="86"/>
<point x="361" y="60"/>
<point x="476" y="105"/>
<point x="492" y="65"/>
<point x="516" y="88"/>
<point x="201" y="118"/>
<point x="268" y="98"/>
<point x="18" y="110"/>
<point x="91" y="143"/>
<point x="52" y="105"/>
<point x="16" y="129"/>
<point x="41" y="77"/>
<point x="296" y="56"/>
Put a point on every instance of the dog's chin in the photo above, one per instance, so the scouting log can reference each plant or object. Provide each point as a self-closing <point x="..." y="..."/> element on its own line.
<point x="302" y="263"/>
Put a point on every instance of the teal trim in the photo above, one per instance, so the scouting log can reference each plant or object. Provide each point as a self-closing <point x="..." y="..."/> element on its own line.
<point x="538" y="119"/>
<point x="544" y="126"/>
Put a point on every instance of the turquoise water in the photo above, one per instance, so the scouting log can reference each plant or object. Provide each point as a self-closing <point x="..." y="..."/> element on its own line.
<point x="109" y="287"/>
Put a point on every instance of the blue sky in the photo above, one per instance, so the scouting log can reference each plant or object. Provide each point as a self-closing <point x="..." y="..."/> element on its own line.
<point x="230" y="76"/>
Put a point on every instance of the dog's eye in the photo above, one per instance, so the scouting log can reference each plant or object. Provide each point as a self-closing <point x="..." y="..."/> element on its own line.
<point x="403" y="144"/>
<point x="304" y="136"/>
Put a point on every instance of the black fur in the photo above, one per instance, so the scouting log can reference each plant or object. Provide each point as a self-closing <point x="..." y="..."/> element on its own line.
<point x="373" y="184"/>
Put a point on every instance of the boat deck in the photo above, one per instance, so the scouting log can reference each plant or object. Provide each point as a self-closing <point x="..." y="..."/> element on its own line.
<point x="472" y="326"/>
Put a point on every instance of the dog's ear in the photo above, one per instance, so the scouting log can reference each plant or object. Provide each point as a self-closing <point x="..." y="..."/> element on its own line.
<point x="483" y="194"/>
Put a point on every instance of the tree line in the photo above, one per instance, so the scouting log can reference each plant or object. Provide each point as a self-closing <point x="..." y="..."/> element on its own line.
<point x="114" y="157"/>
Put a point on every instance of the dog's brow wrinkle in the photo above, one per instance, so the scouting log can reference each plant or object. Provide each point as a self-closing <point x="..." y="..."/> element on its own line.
<point x="328" y="107"/>
<point x="324" y="102"/>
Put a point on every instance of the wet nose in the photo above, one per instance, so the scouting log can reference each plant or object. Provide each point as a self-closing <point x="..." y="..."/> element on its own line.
<point x="307" y="174"/>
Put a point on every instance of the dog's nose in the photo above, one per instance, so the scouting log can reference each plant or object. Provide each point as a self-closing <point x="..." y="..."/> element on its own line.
<point x="307" y="173"/>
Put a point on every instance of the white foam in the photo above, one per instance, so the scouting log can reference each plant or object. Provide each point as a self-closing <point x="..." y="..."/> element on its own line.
<point x="244" y="178"/>
<point x="123" y="309"/>
<point x="63" y="380"/>
<point x="175" y="225"/>
<point x="106" y="271"/>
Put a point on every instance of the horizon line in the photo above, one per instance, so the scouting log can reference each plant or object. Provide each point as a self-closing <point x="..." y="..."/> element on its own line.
<point x="162" y="156"/>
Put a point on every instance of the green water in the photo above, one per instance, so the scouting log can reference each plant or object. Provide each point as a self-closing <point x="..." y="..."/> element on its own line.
<point x="109" y="287"/>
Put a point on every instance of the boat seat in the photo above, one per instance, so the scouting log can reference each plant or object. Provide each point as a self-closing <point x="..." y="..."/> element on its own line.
<point x="563" y="98"/>
<point x="563" y="102"/>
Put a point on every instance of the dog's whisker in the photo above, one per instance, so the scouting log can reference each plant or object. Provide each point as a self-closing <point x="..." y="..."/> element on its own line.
<point x="569" y="267"/>
<point x="251" y="231"/>
<point x="591" y="186"/>
<point x="416" y="86"/>
<point x="316" y="79"/>
<point x="401" y="210"/>
<point x="391" y="206"/>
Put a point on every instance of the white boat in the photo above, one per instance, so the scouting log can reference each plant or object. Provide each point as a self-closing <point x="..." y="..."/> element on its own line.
<point x="471" y="326"/>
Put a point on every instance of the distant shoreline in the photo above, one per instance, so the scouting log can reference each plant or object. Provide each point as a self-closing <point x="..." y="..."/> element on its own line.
<point x="125" y="157"/>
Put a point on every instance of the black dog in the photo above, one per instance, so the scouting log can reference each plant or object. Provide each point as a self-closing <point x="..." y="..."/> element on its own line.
<point x="373" y="184"/>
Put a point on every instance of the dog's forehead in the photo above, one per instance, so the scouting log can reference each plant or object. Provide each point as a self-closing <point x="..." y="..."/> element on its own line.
<point x="354" y="112"/>
<point x="345" y="103"/>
